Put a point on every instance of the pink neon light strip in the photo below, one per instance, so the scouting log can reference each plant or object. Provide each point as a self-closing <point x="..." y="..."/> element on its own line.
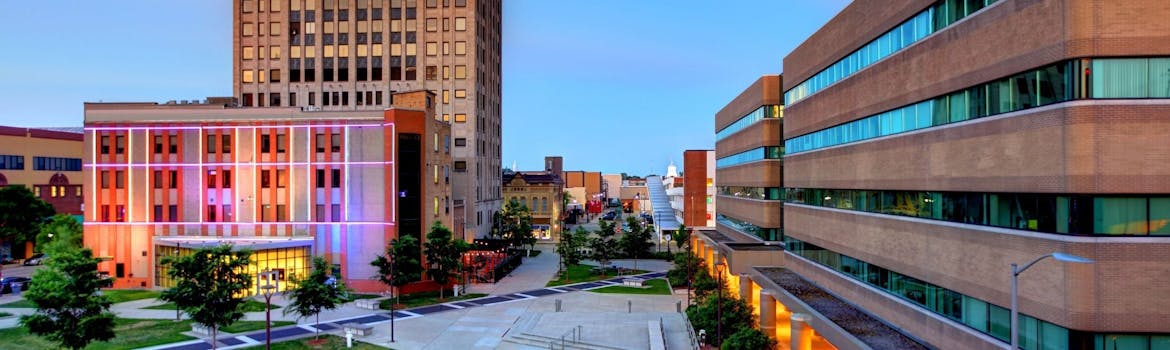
<point x="152" y="223"/>
<point x="219" y="127"/>
<point x="164" y="165"/>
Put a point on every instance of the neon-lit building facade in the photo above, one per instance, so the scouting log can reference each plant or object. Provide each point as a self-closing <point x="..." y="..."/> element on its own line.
<point x="165" y="177"/>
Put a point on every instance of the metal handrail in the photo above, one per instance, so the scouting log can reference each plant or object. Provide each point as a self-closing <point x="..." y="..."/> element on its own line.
<point x="691" y="332"/>
<point x="574" y="335"/>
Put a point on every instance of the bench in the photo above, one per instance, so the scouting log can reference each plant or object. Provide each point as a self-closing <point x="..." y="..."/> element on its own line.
<point x="358" y="329"/>
<point x="369" y="304"/>
<point x="633" y="282"/>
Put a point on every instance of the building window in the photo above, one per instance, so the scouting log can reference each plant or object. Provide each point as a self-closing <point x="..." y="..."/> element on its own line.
<point x="460" y="47"/>
<point x="174" y="144"/>
<point x="335" y="142"/>
<point x="460" y="118"/>
<point x="226" y="175"/>
<point x="335" y="180"/>
<point x="281" y="178"/>
<point x="460" y="142"/>
<point x="246" y="76"/>
<point x="174" y="181"/>
<point x="120" y="213"/>
<point x="158" y="213"/>
<point x="120" y="144"/>
<point x="281" y="213"/>
<point x="105" y="213"/>
<point x="158" y="144"/>
<point x="211" y="183"/>
<point x="460" y="23"/>
<point x="249" y="29"/>
<point x="226" y="141"/>
<point x="460" y="93"/>
<point x="211" y="142"/>
<point x="320" y="178"/>
<point x="319" y="141"/>
<point x="281" y="140"/>
<point x="51" y="163"/>
<point x="248" y="52"/>
<point x="105" y="144"/>
<point x="265" y="179"/>
<point x="265" y="143"/>
<point x="157" y="179"/>
<point x="119" y="179"/>
<point x="211" y="213"/>
<point x="460" y="72"/>
<point x="173" y="213"/>
<point x="460" y="166"/>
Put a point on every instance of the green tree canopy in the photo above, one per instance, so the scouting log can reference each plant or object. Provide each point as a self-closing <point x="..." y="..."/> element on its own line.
<point x="604" y="246"/>
<point x="569" y="248"/>
<point x="21" y="214"/>
<point x="59" y="227"/>
<point x="736" y="315"/>
<point x="444" y="255"/>
<point x="315" y="292"/>
<point x="636" y="242"/>
<point x="748" y="339"/>
<point x="70" y="311"/>
<point x="682" y="238"/>
<point x="686" y="265"/>
<point x="210" y="284"/>
<point x="400" y="265"/>
<point x="516" y="224"/>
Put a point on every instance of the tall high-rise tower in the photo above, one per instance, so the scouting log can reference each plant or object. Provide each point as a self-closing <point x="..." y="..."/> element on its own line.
<point x="335" y="55"/>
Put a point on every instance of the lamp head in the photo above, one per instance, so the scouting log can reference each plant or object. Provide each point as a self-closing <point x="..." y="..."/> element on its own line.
<point x="1071" y="258"/>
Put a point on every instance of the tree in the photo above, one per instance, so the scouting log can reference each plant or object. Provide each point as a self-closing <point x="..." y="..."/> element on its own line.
<point x="569" y="248"/>
<point x="565" y="199"/>
<point x="209" y="285"/>
<point x="401" y="263"/>
<point x="604" y="245"/>
<point x="736" y="314"/>
<point x="516" y="224"/>
<point x="316" y="292"/>
<point x="749" y="339"/>
<point x="686" y="265"/>
<point x="59" y="227"/>
<point x="443" y="255"/>
<point x="705" y="285"/>
<point x="636" y="243"/>
<point x="70" y="311"/>
<point x="682" y="238"/>
<point x="21" y="214"/>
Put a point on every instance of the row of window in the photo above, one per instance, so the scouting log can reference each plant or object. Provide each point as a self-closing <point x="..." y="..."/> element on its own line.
<point x="1059" y="82"/>
<point x="11" y="162"/>
<point x="980" y="315"/>
<point x="940" y="15"/>
<point x="766" y="193"/>
<point x="376" y="50"/>
<point x="342" y="27"/>
<point x="537" y="205"/>
<point x="119" y="146"/>
<point x="764" y="233"/>
<point x="1050" y="213"/>
<point x="764" y="112"/>
<point x="751" y="155"/>
<point x="56" y="164"/>
<point x="58" y="191"/>
<point x="249" y="76"/>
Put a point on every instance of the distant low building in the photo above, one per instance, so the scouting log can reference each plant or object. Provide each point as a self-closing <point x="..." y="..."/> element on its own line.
<point x="541" y="192"/>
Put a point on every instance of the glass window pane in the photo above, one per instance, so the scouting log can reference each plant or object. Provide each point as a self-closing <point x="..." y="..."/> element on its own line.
<point x="975" y="313"/>
<point x="1159" y="216"/>
<point x="1159" y="77"/>
<point x="1053" y="337"/>
<point x="1119" y="216"/>
<point x="1120" y="78"/>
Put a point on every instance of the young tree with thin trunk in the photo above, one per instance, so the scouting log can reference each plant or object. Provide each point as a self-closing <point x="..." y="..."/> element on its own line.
<point x="69" y="310"/>
<point x="604" y="246"/>
<point x="316" y="292"/>
<point x="444" y="255"/>
<point x="400" y="265"/>
<point x="209" y="285"/>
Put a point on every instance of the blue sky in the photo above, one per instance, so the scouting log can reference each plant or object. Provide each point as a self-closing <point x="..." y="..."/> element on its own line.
<point x="614" y="86"/>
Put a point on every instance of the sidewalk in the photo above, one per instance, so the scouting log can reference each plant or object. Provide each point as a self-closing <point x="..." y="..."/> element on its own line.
<point x="534" y="273"/>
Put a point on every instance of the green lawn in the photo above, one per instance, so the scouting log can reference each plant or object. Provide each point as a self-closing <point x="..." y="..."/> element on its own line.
<point x="584" y="273"/>
<point x="249" y="306"/>
<point x="357" y="296"/>
<point x="116" y="296"/>
<point x="124" y="295"/>
<point x="248" y="326"/>
<point x="428" y="298"/>
<point x="331" y="342"/>
<point x="656" y="287"/>
<point x="19" y="303"/>
<point x="131" y="334"/>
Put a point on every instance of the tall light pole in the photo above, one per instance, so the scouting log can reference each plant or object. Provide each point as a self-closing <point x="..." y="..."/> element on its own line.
<point x="1015" y="340"/>
<point x="178" y="247"/>
<point x="719" y="306"/>
<point x="268" y="289"/>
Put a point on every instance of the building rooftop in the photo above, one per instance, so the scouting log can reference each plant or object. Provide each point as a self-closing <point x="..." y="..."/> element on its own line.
<point x="59" y="133"/>
<point x="871" y="331"/>
<point x="533" y="177"/>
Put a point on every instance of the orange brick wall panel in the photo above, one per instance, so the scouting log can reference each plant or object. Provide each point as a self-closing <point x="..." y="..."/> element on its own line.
<point x="763" y="133"/>
<point x="759" y="212"/>
<point x="1121" y="292"/>
<point x="1087" y="147"/>
<point x="764" y="91"/>
<point x="764" y="173"/>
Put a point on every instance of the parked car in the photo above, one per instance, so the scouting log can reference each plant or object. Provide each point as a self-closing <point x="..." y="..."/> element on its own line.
<point x="611" y="215"/>
<point x="6" y="259"/>
<point x="7" y="282"/>
<point x="36" y="259"/>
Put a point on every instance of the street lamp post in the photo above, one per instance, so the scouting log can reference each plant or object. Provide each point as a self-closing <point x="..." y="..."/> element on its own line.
<point x="1015" y="340"/>
<point x="178" y="247"/>
<point x="719" y="306"/>
<point x="268" y="289"/>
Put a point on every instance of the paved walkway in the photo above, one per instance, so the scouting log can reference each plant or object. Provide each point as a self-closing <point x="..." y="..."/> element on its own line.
<point x="534" y="273"/>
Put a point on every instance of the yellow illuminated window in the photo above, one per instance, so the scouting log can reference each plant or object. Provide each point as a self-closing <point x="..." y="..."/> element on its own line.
<point x="249" y="29"/>
<point x="343" y="4"/>
<point x="295" y="6"/>
<point x="263" y="5"/>
<point x="411" y="49"/>
<point x="361" y="4"/>
<point x="263" y="52"/>
<point x="363" y="27"/>
<point x="274" y="52"/>
<point x="377" y="26"/>
<point x="436" y="205"/>
<point x="460" y="72"/>
<point x="343" y="27"/>
<point x="276" y="5"/>
<point x="330" y="27"/>
<point x="446" y="72"/>
<point x="342" y="50"/>
<point x="460" y="118"/>
<point x="396" y="25"/>
<point x="328" y="51"/>
<point x="274" y="28"/>
<point x="460" y="93"/>
<point x="262" y="75"/>
<point x="447" y="117"/>
<point x="432" y="48"/>
<point x="294" y="52"/>
<point x="248" y="52"/>
<point x="246" y="76"/>
<point x="436" y="174"/>
<point x="411" y="25"/>
<point x="460" y="23"/>
<point x="249" y="6"/>
<point x="446" y="96"/>
<point x="310" y="52"/>
<point x="395" y="49"/>
<point x="376" y="49"/>
<point x="460" y="47"/>
<point x="363" y="50"/>
<point x="432" y="24"/>
<point x="52" y="191"/>
<point x="310" y="5"/>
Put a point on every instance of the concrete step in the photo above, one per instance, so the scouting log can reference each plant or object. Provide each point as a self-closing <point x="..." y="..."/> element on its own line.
<point x="544" y="341"/>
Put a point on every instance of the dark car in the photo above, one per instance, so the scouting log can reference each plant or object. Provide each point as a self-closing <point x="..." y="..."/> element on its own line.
<point x="609" y="215"/>
<point x="36" y="259"/>
<point x="7" y="282"/>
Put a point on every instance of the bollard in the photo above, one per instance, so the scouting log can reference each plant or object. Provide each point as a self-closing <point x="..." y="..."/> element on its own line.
<point x="678" y="306"/>
<point x="348" y="339"/>
<point x="558" y="305"/>
<point x="629" y="306"/>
